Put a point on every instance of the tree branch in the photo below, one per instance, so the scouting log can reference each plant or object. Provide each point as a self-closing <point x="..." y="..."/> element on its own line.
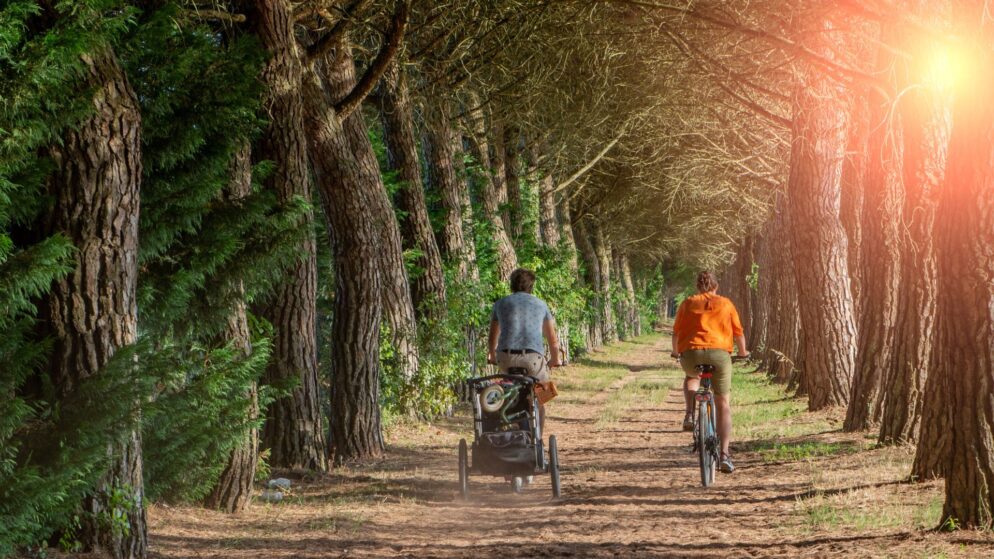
<point x="379" y="65"/>
<point x="321" y="47"/>
<point x="590" y="164"/>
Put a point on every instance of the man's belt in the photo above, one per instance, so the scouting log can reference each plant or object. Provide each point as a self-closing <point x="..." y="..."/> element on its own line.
<point x="519" y="351"/>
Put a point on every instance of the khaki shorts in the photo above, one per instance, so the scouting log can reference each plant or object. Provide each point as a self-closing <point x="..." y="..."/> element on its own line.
<point x="534" y="363"/>
<point x="721" y="382"/>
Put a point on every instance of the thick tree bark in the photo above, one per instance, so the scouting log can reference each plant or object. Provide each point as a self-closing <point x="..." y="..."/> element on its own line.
<point x="965" y="237"/>
<point x="760" y="296"/>
<point x="568" y="237"/>
<point x="880" y="260"/>
<point x="926" y="138"/>
<point x="93" y="312"/>
<point x="512" y="172"/>
<point x="548" y="224"/>
<point x="818" y="239"/>
<point x="347" y="196"/>
<point x="854" y="172"/>
<point x="440" y="144"/>
<point x="593" y="275"/>
<point x="602" y="251"/>
<point x="397" y="115"/>
<point x="490" y="194"/>
<point x="293" y="430"/>
<point x="233" y="490"/>
<point x="783" y="354"/>
<point x="398" y="306"/>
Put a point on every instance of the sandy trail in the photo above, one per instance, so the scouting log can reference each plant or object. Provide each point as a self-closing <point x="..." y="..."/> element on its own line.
<point x="630" y="489"/>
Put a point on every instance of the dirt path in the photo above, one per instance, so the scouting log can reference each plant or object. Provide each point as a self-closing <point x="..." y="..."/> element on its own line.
<point x="630" y="489"/>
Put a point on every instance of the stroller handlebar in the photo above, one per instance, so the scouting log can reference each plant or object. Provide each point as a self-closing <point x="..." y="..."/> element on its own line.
<point x="522" y="378"/>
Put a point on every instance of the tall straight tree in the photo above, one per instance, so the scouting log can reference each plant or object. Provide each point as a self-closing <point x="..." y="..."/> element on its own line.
<point x="879" y="251"/>
<point x="817" y="237"/>
<point x="397" y="115"/>
<point x="965" y="237"/>
<point x="926" y="120"/>
<point x="93" y="311"/>
<point x="293" y="430"/>
<point x="602" y="252"/>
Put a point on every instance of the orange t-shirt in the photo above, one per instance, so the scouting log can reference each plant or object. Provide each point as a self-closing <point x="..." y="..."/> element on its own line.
<point x="706" y="321"/>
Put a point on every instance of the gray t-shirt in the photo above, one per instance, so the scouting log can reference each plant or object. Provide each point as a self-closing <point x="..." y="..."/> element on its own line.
<point x="520" y="316"/>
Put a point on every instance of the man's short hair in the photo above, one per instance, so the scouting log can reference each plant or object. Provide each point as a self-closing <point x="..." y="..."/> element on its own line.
<point x="522" y="280"/>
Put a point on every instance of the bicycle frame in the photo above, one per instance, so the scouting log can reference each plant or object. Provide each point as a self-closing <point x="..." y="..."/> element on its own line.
<point x="711" y="444"/>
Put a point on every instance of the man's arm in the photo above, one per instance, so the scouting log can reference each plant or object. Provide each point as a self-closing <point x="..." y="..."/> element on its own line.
<point x="492" y="342"/>
<point x="549" y="329"/>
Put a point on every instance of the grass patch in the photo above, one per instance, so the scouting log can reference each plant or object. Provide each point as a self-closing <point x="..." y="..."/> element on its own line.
<point x="763" y="410"/>
<point x="639" y="393"/>
<point x="854" y="512"/>
<point x="804" y="450"/>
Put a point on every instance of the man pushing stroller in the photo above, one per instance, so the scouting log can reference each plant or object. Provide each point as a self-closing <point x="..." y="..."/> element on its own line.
<point x="517" y="325"/>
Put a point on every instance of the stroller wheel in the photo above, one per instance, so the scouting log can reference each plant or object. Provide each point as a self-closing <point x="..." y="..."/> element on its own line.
<point x="554" y="467"/>
<point x="492" y="398"/>
<point x="517" y="484"/>
<point x="463" y="469"/>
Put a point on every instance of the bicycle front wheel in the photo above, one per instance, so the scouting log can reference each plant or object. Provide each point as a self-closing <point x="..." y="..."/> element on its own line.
<point x="705" y="425"/>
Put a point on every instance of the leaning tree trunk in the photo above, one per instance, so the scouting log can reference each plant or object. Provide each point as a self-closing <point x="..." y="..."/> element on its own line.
<point x="926" y="137"/>
<point x="547" y="223"/>
<point x="569" y="238"/>
<point x="965" y="237"/>
<point x="293" y="432"/>
<point x="818" y="239"/>
<point x="593" y="276"/>
<point x="602" y="251"/>
<point x="233" y="490"/>
<point x="93" y="312"/>
<point x="456" y="237"/>
<point x="490" y="194"/>
<point x="347" y="198"/>
<point x="880" y="259"/>
<point x="398" y="306"/>
<point x="397" y="115"/>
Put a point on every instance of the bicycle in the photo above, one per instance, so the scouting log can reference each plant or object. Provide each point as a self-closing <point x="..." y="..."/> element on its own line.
<point x="707" y="445"/>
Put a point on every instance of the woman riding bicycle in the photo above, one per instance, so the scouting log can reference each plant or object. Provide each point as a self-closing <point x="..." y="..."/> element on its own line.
<point x="703" y="333"/>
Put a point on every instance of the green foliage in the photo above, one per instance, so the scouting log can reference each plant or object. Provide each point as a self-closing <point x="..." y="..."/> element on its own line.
<point x="198" y="416"/>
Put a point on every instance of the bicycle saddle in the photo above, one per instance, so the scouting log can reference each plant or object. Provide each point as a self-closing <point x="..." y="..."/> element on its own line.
<point x="705" y="368"/>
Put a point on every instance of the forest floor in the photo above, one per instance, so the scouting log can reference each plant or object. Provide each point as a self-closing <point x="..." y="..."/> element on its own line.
<point x="630" y="487"/>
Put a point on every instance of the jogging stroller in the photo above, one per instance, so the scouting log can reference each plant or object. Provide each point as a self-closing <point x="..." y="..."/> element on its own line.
<point x="507" y="434"/>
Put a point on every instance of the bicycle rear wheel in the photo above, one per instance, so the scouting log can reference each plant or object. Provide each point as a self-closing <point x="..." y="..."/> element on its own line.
<point x="705" y="425"/>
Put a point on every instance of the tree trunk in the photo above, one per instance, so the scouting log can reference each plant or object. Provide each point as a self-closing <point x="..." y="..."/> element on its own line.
<point x="93" y="312"/>
<point x="293" y="430"/>
<point x="593" y="275"/>
<point x="548" y="226"/>
<point x="233" y="490"/>
<point x="568" y="238"/>
<point x="347" y="196"/>
<point x="398" y="306"/>
<point x="397" y="115"/>
<point x="965" y="237"/>
<point x="490" y="192"/>
<point x="783" y="354"/>
<point x="456" y="238"/>
<point x="602" y="250"/>
<point x="512" y="172"/>
<point x="634" y="321"/>
<point x="818" y="239"/>
<point x="926" y="139"/>
<point x="760" y="295"/>
<point x="880" y="259"/>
